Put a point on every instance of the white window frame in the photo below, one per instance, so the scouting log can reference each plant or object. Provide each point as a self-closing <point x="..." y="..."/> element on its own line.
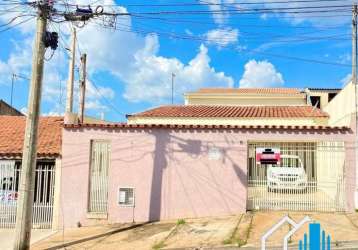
<point x="118" y="197"/>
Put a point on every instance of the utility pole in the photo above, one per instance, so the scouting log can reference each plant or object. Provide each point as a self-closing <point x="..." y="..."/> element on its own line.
<point x="71" y="73"/>
<point x="27" y="180"/>
<point x="82" y="88"/>
<point x="12" y="87"/>
<point x="173" y="75"/>
<point x="354" y="81"/>
<point x="354" y="44"/>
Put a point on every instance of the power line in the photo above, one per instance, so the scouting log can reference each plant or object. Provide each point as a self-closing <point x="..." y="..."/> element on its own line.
<point x="201" y="3"/>
<point x="255" y="36"/>
<point x="107" y="103"/>
<point x="17" y="24"/>
<point x="199" y="22"/>
<point x="303" y="10"/>
<point x="128" y="28"/>
<point x="255" y="10"/>
<point x="244" y="50"/>
<point x="233" y="12"/>
<point x="114" y="108"/>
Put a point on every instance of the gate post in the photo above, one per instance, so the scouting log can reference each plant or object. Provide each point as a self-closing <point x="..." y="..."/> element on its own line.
<point x="57" y="196"/>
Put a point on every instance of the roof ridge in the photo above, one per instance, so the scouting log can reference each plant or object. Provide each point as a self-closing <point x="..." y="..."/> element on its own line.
<point x="182" y="126"/>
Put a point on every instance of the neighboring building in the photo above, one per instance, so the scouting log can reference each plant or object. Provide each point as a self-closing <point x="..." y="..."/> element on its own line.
<point x="320" y="97"/>
<point x="342" y="112"/>
<point x="246" y="97"/>
<point x="255" y="106"/>
<point x="341" y="108"/>
<point x="47" y="174"/>
<point x="6" y="109"/>
<point x="199" y="159"/>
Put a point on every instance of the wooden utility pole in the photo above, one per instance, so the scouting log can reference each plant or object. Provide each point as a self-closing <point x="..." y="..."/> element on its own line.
<point x="82" y="88"/>
<point x="27" y="180"/>
<point x="71" y="73"/>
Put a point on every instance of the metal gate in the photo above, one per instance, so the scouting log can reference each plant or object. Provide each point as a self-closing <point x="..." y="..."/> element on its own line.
<point x="100" y="158"/>
<point x="43" y="196"/>
<point x="310" y="177"/>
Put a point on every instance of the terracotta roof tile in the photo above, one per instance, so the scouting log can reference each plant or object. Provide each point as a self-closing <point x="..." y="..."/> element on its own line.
<point x="199" y="111"/>
<point x="332" y="129"/>
<point x="12" y="129"/>
<point x="290" y="91"/>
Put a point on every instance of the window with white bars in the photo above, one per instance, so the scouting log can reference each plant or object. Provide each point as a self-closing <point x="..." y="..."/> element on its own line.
<point x="126" y="197"/>
<point x="98" y="193"/>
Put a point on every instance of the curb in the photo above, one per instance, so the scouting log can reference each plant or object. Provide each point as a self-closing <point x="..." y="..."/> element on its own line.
<point x="67" y="244"/>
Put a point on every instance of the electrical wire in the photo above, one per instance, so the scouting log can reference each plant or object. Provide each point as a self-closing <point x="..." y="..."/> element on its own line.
<point x="254" y="36"/>
<point x="17" y="24"/>
<point x="243" y="50"/>
<point x="201" y="3"/>
<point x="301" y="11"/>
<point x="105" y="101"/>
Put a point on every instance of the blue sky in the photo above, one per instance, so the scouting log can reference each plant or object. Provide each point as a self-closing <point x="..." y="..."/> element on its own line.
<point x="130" y="65"/>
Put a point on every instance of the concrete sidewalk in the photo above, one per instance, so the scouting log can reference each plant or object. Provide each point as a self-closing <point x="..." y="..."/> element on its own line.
<point x="7" y="237"/>
<point x="120" y="236"/>
<point x="353" y="245"/>
<point x="227" y="232"/>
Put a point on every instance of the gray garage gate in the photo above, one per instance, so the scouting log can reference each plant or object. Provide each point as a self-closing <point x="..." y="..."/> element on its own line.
<point x="310" y="177"/>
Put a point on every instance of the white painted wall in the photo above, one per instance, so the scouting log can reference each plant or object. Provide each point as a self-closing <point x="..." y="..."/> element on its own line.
<point x="342" y="107"/>
<point x="342" y="113"/>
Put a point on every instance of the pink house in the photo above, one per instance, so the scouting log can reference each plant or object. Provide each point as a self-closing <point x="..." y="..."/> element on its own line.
<point x="172" y="169"/>
<point x="142" y="171"/>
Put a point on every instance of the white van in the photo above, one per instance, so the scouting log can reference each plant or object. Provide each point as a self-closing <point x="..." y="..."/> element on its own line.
<point x="289" y="175"/>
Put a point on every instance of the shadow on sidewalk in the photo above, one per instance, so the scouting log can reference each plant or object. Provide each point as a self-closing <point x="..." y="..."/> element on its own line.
<point x="97" y="236"/>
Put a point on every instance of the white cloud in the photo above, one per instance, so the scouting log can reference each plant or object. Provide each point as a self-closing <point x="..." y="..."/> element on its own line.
<point x="131" y="58"/>
<point x="345" y="58"/>
<point x="14" y="18"/>
<point x="221" y="14"/>
<point x="222" y="36"/>
<point x="260" y="74"/>
<point x="5" y="73"/>
<point x="220" y="9"/>
<point x="188" y="32"/>
<point x="24" y="110"/>
<point x="153" y="73"/>
<point x="134" y="60"/>
<point x="52" y="113"/>
<point x="18" y="62"/>
<point x="346" y="79"/>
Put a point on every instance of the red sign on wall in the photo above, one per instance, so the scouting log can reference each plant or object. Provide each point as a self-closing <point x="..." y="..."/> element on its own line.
<point x="268" y="156"/>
